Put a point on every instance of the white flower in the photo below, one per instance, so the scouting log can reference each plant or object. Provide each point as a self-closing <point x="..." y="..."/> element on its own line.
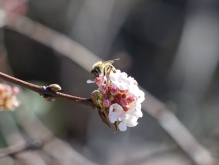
<point x="119" y="79"/>
<point x="120" y="98"/>
<point x="129" y="120"/>
<point x="115" y="113"/>
<point x="141" y="97"/>
<point x="134" y="89"/>
<point x="136" y="111"/>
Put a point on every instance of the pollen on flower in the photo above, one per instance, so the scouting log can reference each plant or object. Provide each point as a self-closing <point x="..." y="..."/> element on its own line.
<point x="8" y="99"/>
<point x="119" y="98"/>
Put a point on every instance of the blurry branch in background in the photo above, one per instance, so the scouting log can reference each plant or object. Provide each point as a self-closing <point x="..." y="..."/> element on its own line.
<point x="4" y="67"/>
<point x="77" y="53"/>
<point x="17" y="148"/>
<point x="58" y="149"/>
<point x="115" y="13"/>
<point x="47" y="93"/>
<point x="51" y="147"/>
<point x="177" y="131"/>
<point x="16" y="141"/>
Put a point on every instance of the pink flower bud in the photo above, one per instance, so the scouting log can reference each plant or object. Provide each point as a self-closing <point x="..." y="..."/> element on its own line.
<point x="119" y="96"/>
<point x="125" y="108"/>
<point x="123" y="95"/>
<point x="106" y="103"/>
<point x="104" y="87"/>
<point x="98" y="81"/>
<point x="116" y="100"/>
<point x="123" y="102"/>
<point x="15" y="90"/>
<point x="114" y="90"/>
<point x="131" y="99"/>
<point x="8" y="88"/>
<point x="103" y="96"/>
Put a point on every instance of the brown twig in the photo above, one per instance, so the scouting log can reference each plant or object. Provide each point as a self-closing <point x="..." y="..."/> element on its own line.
<point x="42" y="90"/>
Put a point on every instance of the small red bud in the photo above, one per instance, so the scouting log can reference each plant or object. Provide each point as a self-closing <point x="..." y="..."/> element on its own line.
<point x="123" y="102"/>
<point x="125" y="108"/>
<point x="123" y="95"/>
<point x="116" y="100"/>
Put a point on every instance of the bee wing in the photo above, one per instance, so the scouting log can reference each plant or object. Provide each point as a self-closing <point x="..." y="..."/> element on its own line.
<point x="111" y="61"/>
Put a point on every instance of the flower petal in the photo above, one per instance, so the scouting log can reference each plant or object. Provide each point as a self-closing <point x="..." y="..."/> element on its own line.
<point x="113" y="117"/>
<point x="90" y="81"/>
<point x="115" y="108"/>
<point x="131" y="121"/>
<point x="122" y="126"/>
<point x="115" y="111"/>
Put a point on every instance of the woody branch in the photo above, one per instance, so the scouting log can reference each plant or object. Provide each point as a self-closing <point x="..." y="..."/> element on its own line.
<point x="42" y="90"/>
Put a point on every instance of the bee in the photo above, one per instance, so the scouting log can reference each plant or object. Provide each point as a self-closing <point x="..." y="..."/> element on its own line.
<point x="104" y="67"/>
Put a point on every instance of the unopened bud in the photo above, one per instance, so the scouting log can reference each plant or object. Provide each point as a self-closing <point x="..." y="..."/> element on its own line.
<point x="49" y="98"/>
<point x="114" y="90"/>
<point x="15" y="90"/>
<point x="54" y="87"/>
<point x="106" y="103"/>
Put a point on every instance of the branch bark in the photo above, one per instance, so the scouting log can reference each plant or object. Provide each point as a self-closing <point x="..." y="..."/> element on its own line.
<point x="42" y="90"/>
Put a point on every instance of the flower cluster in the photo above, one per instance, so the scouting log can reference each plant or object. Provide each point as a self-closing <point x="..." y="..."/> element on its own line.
<point x="8" y="99"/>
<point x="119" y="99"/>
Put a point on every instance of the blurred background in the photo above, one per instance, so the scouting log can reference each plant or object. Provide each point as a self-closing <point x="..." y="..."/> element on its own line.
<point x="170" y="47"/>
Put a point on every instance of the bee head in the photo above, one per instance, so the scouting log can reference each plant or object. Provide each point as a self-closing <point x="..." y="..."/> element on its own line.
<point x="96" y="69"/>
<point x="95" y="72"/>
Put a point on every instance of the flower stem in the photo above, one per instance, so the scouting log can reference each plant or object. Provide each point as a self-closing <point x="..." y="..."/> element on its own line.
<point x="42" y="90"/>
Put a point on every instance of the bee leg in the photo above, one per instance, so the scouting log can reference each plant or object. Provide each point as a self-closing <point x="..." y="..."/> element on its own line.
<point x="104" y="71"/>
<point x="107" y="70"/>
